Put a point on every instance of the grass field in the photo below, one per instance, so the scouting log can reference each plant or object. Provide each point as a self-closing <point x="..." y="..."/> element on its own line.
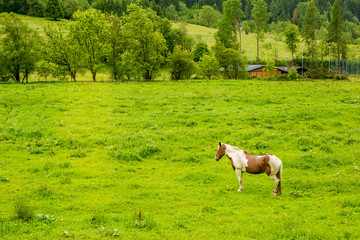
<point x="81" y="160"/>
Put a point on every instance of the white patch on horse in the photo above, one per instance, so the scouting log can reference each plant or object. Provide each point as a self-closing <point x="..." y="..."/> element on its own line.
<point x="238" y="156"/>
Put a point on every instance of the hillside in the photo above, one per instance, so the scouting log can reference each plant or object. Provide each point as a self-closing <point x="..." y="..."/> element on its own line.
<point x="268" y="47"/>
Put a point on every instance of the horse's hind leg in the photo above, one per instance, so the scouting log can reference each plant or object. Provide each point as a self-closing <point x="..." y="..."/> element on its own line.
<point x="277" y="182"/>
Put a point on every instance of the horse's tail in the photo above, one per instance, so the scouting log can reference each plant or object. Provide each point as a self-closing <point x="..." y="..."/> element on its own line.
<point x="279" y="176"/>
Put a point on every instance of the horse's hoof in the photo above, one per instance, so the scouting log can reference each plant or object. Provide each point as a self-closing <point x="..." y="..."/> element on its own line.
<point x="275" y="194"/>
<point x="239" y="190"/>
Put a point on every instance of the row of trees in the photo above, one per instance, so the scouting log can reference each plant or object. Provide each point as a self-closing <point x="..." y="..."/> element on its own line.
<point x="135" y="46"/>
<point x="139" y="43"/>
<point x="232" y="15"/>
<point x="281" y="10"/>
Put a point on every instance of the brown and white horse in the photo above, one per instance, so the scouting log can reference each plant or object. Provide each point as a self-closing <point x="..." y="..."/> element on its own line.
<point x="242" y="161"/>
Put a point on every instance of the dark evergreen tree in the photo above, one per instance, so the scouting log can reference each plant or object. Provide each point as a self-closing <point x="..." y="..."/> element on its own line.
<point x="335" y="34"/>
<point x="53" y="9"/>
<point x="310" y="26"/>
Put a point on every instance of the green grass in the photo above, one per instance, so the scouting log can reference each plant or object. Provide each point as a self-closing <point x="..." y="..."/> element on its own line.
<point x="81" y="160"/>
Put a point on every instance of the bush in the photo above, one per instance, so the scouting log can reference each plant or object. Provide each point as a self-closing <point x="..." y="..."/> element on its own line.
<point x="23" y="211"/>
<point x="181" y="64"/>
<point x="208" y="66"/>
<point x="231" y="61"/>
<point x="293" y="75"/>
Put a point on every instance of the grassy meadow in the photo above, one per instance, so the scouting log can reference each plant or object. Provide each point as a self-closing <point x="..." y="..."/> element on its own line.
<point x="84" y="160"/>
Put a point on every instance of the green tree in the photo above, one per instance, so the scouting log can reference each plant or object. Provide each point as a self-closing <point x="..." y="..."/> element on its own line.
<point x="335" y="34"/>
<point x="53" y="9"/>
<point x="90" y="31"/>
<point x="117" y="47"/>
<point x="62" y="52"/>
<point x="261" y="17"/>
<point x="71" y="6"/>
<point x="233" y="15"/>
<point x="201" y="49"/>
<point x="145" y="45"/>
<point x="208" y="66"/>
<point x="293" y="75"/>
<point x="292" y="38"/>
<point x="310" y="26"/>
<point x="270" y="68"/>
<point x="231" y="61"/>
<point x="19" y="52"/>
<point x="171" y="13"/>
<point x="181" y="64"/>
<point x="207" y="16"/>
<point x="224" y="35"/>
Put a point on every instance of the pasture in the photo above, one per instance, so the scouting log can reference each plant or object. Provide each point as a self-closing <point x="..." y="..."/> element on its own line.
<point x="136" y="160"/>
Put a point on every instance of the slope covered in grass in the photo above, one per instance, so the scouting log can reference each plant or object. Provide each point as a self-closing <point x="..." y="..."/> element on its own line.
<point x="85" y="158"/>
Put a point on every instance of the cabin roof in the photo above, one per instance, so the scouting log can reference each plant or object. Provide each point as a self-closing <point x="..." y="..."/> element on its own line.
<point x="287" y="69"/>
<point x="250" y="68"/>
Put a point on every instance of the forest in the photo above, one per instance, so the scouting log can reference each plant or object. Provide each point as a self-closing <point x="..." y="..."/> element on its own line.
<point x="137" y="39"/>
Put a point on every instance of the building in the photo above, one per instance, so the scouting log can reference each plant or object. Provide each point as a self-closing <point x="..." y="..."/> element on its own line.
<point x="286" y="70"/>
<point x="256" y="70"/>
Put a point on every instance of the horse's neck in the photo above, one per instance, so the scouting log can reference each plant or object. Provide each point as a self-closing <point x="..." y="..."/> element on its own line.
<point x="234" y="152"/>
<point x="237" y="157"/>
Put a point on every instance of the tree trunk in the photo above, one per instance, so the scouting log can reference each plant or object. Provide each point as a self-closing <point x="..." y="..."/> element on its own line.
<point x="338" y="49"/>
<point x="315" y="46"/>
<point x="257" y="43"/>
<point x="240" y="39"/>
<point x="94" y="76"/>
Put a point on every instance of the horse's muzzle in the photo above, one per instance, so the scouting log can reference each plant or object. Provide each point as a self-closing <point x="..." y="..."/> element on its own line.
<point x="217" y="159"/>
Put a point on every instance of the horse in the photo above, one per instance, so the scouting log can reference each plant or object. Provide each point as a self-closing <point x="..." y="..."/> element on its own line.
<point x="242" y="161"/>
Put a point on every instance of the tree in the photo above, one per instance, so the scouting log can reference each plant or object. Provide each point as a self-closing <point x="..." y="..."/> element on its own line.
<point x="335" y="34"/>
<point x="53" y="9"/>
<point x="19" y="48"/>
<point x="270" y="68"/>
<point x="201" y="49"/>
<point x="233" y="16"/>
<point x="181" y="64"/>
<point x="310" y="26"/>
<point x="90" y="31"/>
<point x="145" y="45"/>
<point x="231" y="61"/>
<point x="224" y="35"/>
<point x="207" y="16"/>
<point x="293" y="75"/>
<point x="35" y="8"/>
<point x="117" y="47"/>
<point x="62" y="52"/>
<point x="292" y="38"/>
<point x="261" y="17"/>
<point x="170" y="13"/>
<point x="208" y="66"/>
<point x="71" y="6"/>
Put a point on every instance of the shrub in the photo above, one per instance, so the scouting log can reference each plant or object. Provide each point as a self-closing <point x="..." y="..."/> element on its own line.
<point x="23" y="211"/>
<point x="201" y="49"/>
<point x="293" y="75"/>
<point x="181" y="64"/>
<point x="208" y="66"/>
<point x="231" y="61"/>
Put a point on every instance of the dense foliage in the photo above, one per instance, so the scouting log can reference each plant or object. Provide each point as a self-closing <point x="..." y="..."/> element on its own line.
<point x="136" y="41"/>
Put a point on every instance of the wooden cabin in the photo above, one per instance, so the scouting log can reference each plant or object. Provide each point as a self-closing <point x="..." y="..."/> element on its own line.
<point x="286" y="70"/>
<point x="256" y="70"/>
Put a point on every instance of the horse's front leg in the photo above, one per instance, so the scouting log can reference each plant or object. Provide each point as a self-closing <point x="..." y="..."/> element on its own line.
<point x="239" y="173"/>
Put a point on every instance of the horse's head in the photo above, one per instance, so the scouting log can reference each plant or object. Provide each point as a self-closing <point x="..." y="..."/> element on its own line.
<point x="220" y="151"/>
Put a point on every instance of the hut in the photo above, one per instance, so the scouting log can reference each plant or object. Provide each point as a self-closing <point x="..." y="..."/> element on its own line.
<point x="285" y="70"/>
<point x="256" y="70"/>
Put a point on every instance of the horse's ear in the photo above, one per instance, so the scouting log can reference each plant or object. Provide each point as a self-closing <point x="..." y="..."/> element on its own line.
<point x="219" y="144"/>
